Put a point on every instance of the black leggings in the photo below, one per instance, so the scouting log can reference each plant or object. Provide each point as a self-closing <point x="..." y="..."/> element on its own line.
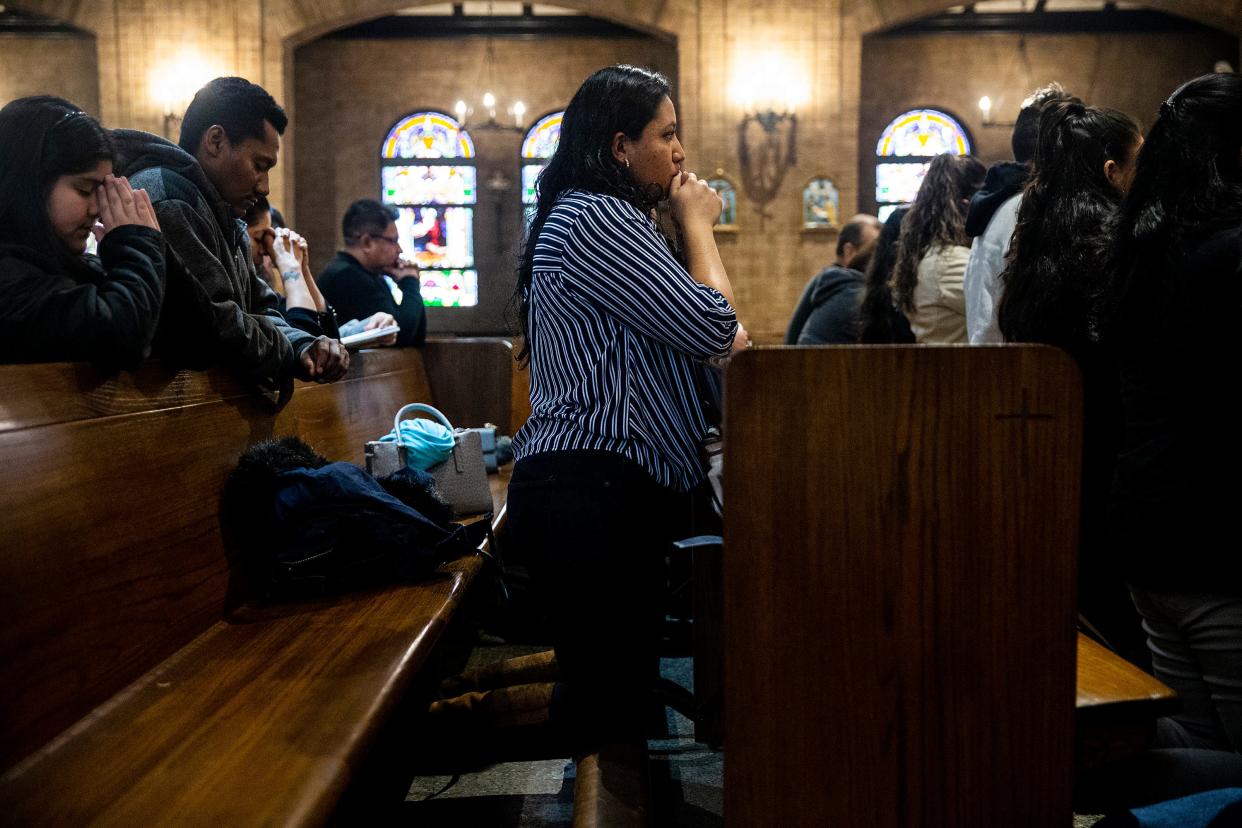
<point x="595" y="528"/>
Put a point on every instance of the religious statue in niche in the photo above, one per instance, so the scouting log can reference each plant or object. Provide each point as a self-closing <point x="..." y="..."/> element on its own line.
<point x="728" y="195"/>
<point x="821" y="204"/>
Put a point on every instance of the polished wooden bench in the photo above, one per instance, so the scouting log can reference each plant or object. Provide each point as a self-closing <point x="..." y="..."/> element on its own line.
<point x="1116" y="707"/>
<point x="140" y="683"/>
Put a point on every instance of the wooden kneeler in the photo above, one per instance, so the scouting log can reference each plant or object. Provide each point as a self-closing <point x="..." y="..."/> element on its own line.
<point x="612" y="787"/>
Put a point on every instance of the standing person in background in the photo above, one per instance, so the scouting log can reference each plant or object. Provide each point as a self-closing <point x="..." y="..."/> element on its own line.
<point x="56" y="302"/>
<point x="932" y="252"/>
<point x="354" y="282"/>
<point x="217" y="309"/>
<point x="1052" y="283"/>
<point x="993" y="215"/>
<point x="617" y="333"/>
<point x="1173" y="308"/>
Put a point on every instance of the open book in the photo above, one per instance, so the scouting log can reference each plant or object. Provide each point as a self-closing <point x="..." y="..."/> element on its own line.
<point x="361" y="340"/>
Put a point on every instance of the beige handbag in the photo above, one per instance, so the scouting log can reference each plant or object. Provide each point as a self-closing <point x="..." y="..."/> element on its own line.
<point x="461" y="479"/>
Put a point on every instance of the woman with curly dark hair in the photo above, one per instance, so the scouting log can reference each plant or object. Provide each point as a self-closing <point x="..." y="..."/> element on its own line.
<point x="934" y="249"/>
<point x="1174" y="304"/>
<point x="618" y="332"/>
<point x="1052" y="281"/>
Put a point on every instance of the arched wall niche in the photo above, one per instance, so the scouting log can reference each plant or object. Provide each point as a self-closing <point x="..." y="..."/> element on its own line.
<point x="46" y="55"/>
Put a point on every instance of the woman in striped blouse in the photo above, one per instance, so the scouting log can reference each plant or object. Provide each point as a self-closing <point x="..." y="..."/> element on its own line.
<point x="617" y="334"/>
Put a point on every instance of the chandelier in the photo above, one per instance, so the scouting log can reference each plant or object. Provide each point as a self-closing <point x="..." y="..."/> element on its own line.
<point x="489" y="105"/>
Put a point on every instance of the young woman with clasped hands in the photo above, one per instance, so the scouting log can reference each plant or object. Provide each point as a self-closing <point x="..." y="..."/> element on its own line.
<point x="57" y="303"/>
<point x="618" y="333"/>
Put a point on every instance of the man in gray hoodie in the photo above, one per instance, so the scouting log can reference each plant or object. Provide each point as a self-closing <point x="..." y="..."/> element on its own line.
<point x="216" y="308"/>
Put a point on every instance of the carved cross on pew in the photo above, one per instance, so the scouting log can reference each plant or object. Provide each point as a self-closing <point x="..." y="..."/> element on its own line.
<point x="1026" y="416"/>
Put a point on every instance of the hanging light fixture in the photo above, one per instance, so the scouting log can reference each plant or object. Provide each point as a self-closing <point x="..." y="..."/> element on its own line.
<point x="489" y="105"/>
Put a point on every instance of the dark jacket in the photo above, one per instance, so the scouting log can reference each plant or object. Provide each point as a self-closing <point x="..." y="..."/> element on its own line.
<point x="1003" y="181"/>
<point x="827" y="313"/>
<point x="313" y="322"/>
<point x="1176" y="490"/>
<point x="217" y="309"/>
<point x="336" y="526"/>
<point x="357" y="293"/>
<point x="105" y="312"/>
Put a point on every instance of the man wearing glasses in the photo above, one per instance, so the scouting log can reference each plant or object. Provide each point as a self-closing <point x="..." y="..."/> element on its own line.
<point x="354" y="281"/>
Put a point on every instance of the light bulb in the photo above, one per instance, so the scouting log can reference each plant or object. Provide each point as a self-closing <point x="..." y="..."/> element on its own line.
<point x="460" y="109"/>
<point x="985" y="104"/>
<point x="489" y="100"/>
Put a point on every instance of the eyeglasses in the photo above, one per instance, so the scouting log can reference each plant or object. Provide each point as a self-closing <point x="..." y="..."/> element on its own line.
<point x="394" y="240"/>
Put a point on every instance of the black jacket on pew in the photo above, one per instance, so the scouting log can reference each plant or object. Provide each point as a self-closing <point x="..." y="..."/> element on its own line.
<point x="105" y="312"/>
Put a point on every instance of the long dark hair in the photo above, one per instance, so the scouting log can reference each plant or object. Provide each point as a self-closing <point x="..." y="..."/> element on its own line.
<point x="937" y="217"/>
<point x="1189" y="179"/>
<point x="875" y="316"/>
<point x="1063" y="237"/>
<point x="41" y="139"/>
<point x="616" y="99"/>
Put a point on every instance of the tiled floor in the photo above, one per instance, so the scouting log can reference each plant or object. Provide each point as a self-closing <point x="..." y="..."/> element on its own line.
<point x="687" y="779"/>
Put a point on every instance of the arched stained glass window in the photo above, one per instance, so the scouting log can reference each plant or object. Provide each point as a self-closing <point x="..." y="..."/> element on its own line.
<point x="538" y="146"/>
<point x="428" y="173"/>
<point x="904" y="151"/>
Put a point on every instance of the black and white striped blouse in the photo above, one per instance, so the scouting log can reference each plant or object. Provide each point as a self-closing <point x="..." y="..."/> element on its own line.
<point x="619" y="330"/>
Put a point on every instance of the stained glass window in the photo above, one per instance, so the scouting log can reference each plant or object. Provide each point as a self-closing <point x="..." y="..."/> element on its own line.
<point x="538" y="146"/>
<point x="435" y="199"/>
<point x="905" y="150"/>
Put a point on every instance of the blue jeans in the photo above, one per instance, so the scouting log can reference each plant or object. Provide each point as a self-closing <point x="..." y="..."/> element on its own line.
<point x="1196" y="648"/>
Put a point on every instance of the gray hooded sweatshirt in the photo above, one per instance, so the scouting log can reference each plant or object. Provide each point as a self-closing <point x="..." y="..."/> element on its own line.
<point x="216" y="308"/>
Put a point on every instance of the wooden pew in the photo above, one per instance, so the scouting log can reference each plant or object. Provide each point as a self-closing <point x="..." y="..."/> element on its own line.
<point x="457" y="366"/>
<point x="899" y="602"/>
<point x="1117" y="706"/>
<point x="138" y="682"/>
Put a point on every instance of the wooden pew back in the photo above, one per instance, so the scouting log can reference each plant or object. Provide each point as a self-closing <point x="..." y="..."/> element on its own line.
<point x="900" y="547"/>
<point x="112" y="557"/>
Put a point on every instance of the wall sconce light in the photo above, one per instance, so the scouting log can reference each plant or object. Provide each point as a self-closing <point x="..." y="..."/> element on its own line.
<point x="985" y="109"/>
<point x="173" y="85"/>
<point x="767" y="136"/>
